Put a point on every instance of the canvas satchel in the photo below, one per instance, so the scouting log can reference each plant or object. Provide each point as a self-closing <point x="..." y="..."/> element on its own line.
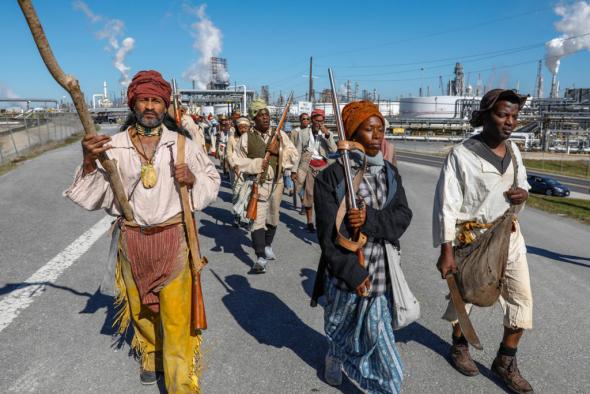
<point x="482" y="262"/>
<point x="406" y="308"/>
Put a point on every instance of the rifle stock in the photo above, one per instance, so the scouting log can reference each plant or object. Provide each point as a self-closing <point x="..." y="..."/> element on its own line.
<point x="252" y="209"/>
<point x="197" y="262"/>
<point x="358" y="239"/>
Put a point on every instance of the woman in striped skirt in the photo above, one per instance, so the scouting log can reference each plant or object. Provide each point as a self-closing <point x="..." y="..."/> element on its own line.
<point x="358" y="308"/>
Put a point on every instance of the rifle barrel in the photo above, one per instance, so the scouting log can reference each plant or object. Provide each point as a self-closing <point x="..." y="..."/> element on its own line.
<point x="342" y="137"/>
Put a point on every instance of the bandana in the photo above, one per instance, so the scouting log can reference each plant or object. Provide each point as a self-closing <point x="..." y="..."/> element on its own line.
<point x="148" y="83"/>
<point x="356" y="112"/>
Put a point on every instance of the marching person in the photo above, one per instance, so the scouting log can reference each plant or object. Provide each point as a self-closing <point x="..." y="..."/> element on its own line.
<point x="304" y="122"/>
<point x="193" y="128"/>
<point x="152" y="274"/>
<point x="223" y="136"/>
<point x="476" y="187"/>
<point x="248" y="158"/>
<point x="314" y="144"/>
<point x="358" y="308"/>
<point x="237" y="179"/>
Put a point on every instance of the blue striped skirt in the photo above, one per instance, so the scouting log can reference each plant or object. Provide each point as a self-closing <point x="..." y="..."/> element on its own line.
<point x="360" y="335"/>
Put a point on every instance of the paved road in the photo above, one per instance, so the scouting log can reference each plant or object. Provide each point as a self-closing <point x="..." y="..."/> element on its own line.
<point x="263" y="336"/>
<point x="574" y="184"/>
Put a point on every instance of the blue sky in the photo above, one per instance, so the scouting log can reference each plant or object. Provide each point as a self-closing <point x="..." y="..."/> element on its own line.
<point x="381" y="45"/>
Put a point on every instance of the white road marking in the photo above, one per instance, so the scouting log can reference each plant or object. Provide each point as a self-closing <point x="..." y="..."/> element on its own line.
<point x="21" y="298"/>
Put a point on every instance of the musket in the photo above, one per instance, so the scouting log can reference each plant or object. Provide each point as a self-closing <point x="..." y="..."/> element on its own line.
<point x="197" y="262"/>
<point x="252" y="209"/>
<point x="72" y="86"/>
<point x="358" y="239"/>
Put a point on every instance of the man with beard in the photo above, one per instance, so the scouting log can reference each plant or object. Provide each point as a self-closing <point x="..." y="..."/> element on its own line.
<point x="152" y="276"/>
<point x="313" y="145"/>
<point x="478" y="185"/>
<point x="237" y="179"/>
<point x="249" y="156"/>
<point x="192" y="127"/>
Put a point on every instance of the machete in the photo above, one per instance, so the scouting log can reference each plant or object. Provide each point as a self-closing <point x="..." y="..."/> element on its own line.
<point x="464" y="322"/>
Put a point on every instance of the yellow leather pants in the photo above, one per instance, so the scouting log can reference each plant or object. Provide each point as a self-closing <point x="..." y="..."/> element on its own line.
<point x="163" y="340"/>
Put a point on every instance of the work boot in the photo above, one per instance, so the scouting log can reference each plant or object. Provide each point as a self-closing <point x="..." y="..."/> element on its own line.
<point x="461" y="359"/>
<point x="506" y="369"/>
<point x="147" y="377"/>
<point x="333" y="371"/>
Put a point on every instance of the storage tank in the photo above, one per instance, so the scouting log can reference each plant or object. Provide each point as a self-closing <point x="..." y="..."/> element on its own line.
<point x="440" y="107"/>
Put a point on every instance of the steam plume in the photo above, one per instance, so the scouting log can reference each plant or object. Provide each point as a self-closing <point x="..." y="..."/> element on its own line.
<point x="112" y="31"/>
<point x="575" y="28"/>
<point x="6" y="92"/>
<point x="208" y="43"/>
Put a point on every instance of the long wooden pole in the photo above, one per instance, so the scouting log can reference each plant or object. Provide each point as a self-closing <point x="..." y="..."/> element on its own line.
<point x="71" y="85"/>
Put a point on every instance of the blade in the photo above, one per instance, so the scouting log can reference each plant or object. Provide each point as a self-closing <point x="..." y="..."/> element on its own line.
<point x="464" y="322"/>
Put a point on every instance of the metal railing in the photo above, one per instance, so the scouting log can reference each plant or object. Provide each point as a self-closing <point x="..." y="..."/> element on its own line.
<point x="20" y="133"/>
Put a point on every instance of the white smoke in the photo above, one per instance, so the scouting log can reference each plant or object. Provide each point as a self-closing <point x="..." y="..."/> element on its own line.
<point x="575" y="26"/>
<point x="6" y="92"/>
<point x="112" y="31"/>
<point x="208" y="43"/>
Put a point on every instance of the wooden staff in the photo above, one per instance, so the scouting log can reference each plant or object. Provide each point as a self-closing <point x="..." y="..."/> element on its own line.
<point x="71" y="85"/>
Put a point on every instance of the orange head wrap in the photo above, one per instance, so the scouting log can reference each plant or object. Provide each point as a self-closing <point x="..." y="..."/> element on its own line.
<point x="356" y="112"/>
<point x="148" y="83"/>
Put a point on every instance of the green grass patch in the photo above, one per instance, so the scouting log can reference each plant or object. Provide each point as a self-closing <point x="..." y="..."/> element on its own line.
<point x="6" y="167"/>
<point x="579" y="168"/>
<point x="572" y="207"/>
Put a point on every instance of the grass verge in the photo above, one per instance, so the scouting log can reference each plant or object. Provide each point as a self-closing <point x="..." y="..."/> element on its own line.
<point x="579" y="168"/>
<point x="6" y="167"/>
<point x="572" y="207"/>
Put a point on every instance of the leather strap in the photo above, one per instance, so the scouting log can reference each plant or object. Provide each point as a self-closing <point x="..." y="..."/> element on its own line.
<point x="350" y="145"/>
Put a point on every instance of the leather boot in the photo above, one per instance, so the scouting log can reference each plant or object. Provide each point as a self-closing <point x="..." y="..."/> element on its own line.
<point x="461" y="359"/>
<point x="506" y="369"/>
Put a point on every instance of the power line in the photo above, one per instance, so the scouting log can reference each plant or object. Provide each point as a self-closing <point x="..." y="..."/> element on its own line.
<point x="434" y="34"/>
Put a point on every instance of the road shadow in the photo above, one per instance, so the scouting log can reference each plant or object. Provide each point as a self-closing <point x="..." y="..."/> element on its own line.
<point x="564" y="258"/>
<point x="228" y="239"/>
<point x="271" y="322"/>
<point x="416" y="332"/>
<point x="95" y="302"/>
<point x="297" y="227"/>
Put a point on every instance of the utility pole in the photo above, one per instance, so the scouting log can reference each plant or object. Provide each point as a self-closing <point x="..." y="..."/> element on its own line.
<point x="310" y="96"/>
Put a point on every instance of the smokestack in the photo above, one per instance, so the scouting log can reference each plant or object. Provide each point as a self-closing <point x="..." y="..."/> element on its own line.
<point x="105" y="89"/>
<point x="539" y="81"/>
<point x="554" y="86"/>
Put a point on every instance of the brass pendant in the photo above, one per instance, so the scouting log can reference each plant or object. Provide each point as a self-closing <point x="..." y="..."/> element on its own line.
<point x="149" y="176"/>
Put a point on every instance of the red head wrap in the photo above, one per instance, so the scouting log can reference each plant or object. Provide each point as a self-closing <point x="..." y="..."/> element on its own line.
<point x="356" y="112"/>
<point x="319" y="112"/>
<point x="148" y="83"/>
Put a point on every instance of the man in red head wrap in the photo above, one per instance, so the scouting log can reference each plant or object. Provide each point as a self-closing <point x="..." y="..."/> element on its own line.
<point x="152" y="275"/>
<point x="314" y="146"/>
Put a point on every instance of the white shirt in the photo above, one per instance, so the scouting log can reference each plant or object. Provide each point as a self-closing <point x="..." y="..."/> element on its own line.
<point x="471" y="189"/>
<point x="150" y="206"/>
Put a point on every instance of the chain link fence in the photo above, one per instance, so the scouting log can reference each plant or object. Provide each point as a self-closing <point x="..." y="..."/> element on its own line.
<point x="20" y="133"/>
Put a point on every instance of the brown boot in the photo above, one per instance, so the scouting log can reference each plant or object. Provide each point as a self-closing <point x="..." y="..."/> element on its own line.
<point x="505" y="368"/>
<point x="461" y="359"/>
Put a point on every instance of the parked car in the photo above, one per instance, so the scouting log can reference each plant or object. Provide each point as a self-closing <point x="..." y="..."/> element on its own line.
<point x="548" y="186"/>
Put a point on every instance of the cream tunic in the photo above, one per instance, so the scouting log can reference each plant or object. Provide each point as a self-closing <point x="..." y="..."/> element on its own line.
<point x="150" y="206"/>
<point x="471" y="189"/>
